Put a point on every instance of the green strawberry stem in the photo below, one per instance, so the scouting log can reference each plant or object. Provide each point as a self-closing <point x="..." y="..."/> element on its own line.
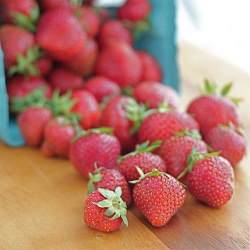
<point x="192" y="133"/>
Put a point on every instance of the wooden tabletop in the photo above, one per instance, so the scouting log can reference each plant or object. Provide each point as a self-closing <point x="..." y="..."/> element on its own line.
<point x="41" y="199"/>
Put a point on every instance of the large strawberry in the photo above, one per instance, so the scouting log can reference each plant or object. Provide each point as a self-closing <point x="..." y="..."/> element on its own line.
<point x="228" y="141"/>
<point x="120" y="63"/>
<point x="104" y="210"/>
<point x="109" y="179"/>
<point x="158" y="196"/>
<point x="94" y="149"/>
<point x="142" y="158"/>
<point x="60" y="34"/>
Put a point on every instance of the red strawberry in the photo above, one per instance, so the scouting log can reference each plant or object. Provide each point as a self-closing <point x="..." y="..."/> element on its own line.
<point x="32" y="122"/>
<point x="94" y="149"/>
<point x="58" y="135"/>
<point x="87" y="107"/>
<point x="102" y="88"/>
<point x="104" y="210"/>
<point x="154" y="93"/>
<point x="60" y="34"/>
<point x="176" y="149"/>
<point x="134" y="10"/>
<point x="228" y="141"/>
<point x="142" y="158"/>
<point x="15" y="41"/>
<point x="211" y="180"/>
<point x="44" y="65"/>
<point x="151" y="69"/>
<point x="158" y="196"/>
<point x="113" y="31"/>
<point x="84" y="62"/>
<point x="120" y="63"/>
<point x="64" y="80"/>
<point x="110" y="179"/>
<point x="210" y="110"/>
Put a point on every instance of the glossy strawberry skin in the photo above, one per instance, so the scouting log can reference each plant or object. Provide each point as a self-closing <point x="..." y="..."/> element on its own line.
<point x="226" y="140"/>
<point x="112" y="178"/>
<point x="159" y="198"/>
<point x="146" y="161"/>
<point x="212" y="181"/>
<point x="32" y="123"/>
<point x="175" y="151"/>
<point x="94" y="216"/>
<point x="100" y="149"/>
<point x="210" y="111"/>
<point x="154" y="93"/>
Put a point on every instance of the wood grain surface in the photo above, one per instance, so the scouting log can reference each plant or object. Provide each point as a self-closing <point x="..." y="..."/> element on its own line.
<point x="41" y="199"/>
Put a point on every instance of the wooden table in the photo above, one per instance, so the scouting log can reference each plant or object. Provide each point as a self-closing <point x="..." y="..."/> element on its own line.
<point x="41" y="199"/>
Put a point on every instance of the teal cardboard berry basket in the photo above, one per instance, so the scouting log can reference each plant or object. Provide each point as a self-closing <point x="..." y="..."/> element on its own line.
<point x="159" y="41"/>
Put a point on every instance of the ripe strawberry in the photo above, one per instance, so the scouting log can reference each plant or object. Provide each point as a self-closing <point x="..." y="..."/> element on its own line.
<point x="94" y="149"/>
<point x="109" y="179"/>
<point x="15" y="41"/>
<point x="32" y="122"/>
<point x="104" y="210"/>
<point x="58" y="135"/>
<point x="158" y="196"/>
<point x="113" y="31"/>
<point x="134" y="10"/>
<point x="154" y="93"/>
<point x="84" y="62"/>
<point x="102" y="88"/>
<point x="211" y="180"/>
<point x="151" y="69"/>
<point x="120" y="63"/>
<point x="60" y="34"/>
<point x="211" y="110"/>
<point x="142" y="158"/>
<point x="228" y="141"/>
<point x="87" y="107"/>
<point x="176" y="149"/>
<point x="64" y="80"/>
<point x="44" y="65"/>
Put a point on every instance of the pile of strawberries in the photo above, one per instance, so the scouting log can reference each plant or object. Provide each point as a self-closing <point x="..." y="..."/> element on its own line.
<point x="81" y="91"/>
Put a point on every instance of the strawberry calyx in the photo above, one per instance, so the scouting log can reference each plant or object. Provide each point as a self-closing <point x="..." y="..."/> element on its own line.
<point x="138" y="28"/>
<point x="96" y="176"/>
<point x="116" y="207"/>
<point x="192" y="133"/>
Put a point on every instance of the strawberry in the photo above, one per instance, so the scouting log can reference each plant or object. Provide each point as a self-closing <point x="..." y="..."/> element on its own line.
<point x="64" y="80"/>
<point x="87" y="107"/>
<point x="109" y="179"/>
<point x="102" y="88"/>
<point x="142" y="158"/>
<point x="176" y="160"/>
<point x="114" y="31"/>
<point x="60" y="34"/>
<point x="158" y="196"/>
<point x="120" y="63"/>
<point x="213" y="108"/>
<point x="94" y="149"/>
<point x="44" y="65"/>
<point x="84" y="62"/>
<point x="154" y="93"/>
<point x="211" y="179"/>
<point x="228" y="141"/>
<point x="151" y="69"/>
<point x="104" y="210"/>
<point x="15" y="41"/>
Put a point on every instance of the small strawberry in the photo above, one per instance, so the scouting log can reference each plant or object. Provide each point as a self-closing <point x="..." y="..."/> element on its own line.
<point x="154" y="93"/>
<point x="104" y="210"/>
<point x="120" y="63"/>
<point x="213" y="108"/>
<point x="158" y="196"/>
<point x="114" y="31"/>
<point x="94" y="149"/>
<point x="44" y="65"/>
<point x="102" y="88"/>
<point x="142" y="158"/>
<point x="151" y="69"/>
<point x="109" y="179"/>
<point x="228" y="141"/>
